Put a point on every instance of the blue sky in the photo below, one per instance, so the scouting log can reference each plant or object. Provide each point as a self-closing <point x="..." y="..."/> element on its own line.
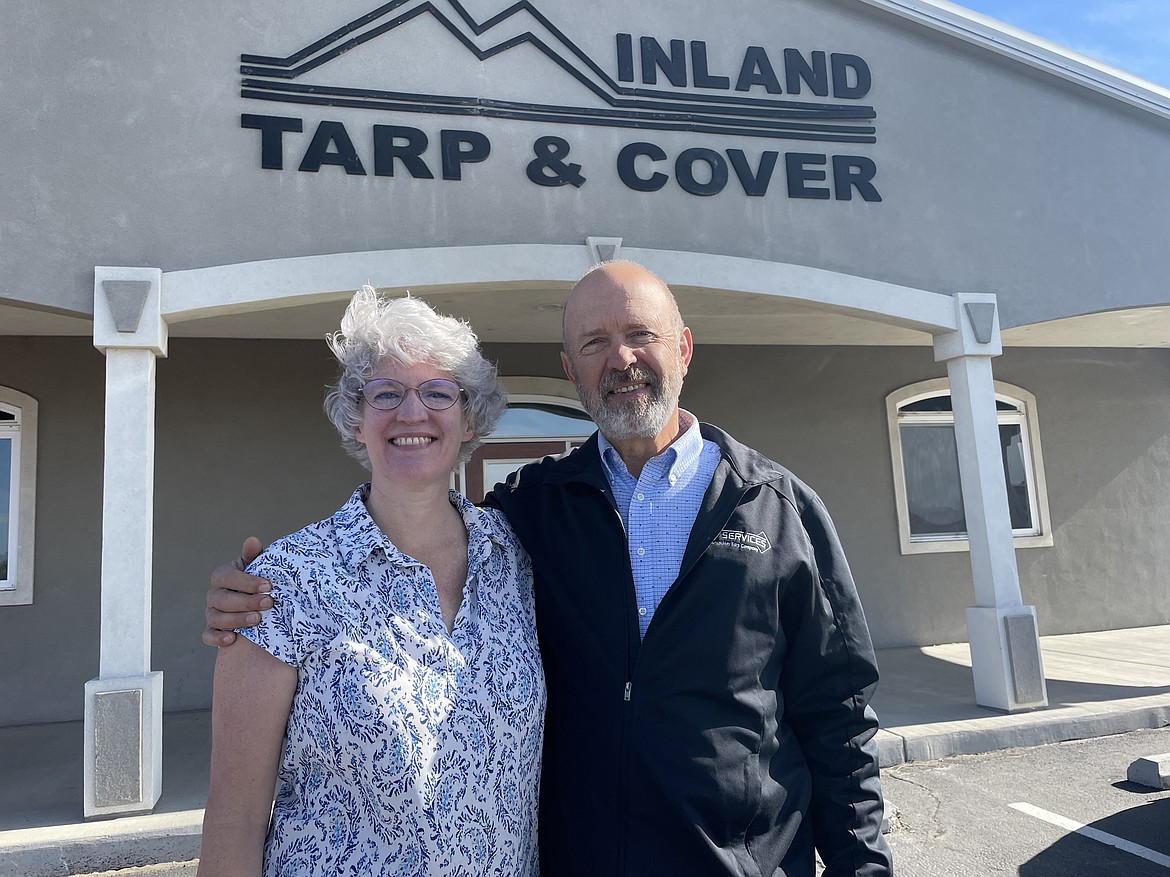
<point x="1131" y="34"/>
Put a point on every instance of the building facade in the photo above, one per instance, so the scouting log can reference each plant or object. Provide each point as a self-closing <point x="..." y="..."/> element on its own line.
<point x="922" y="255"/>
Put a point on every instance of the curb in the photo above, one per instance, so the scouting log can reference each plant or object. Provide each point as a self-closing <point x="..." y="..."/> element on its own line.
<point x="62" y="850"/>
<point x="975" y="737"/>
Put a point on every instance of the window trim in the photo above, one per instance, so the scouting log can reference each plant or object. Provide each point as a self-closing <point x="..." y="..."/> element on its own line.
<point x="24" y="492"/>
<point x="530" y="388"/>
<point x="1033" y="462"/>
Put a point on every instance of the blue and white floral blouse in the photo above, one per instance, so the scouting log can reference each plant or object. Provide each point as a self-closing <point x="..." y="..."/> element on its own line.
<point x="409" y="751"/>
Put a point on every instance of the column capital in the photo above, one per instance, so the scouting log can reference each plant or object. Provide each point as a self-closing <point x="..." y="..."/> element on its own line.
<point x="127" y="309"/>
<point x="977" y="319"/>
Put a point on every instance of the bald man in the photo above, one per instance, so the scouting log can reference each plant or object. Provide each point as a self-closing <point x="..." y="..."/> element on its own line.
<point x="708" y="665"/>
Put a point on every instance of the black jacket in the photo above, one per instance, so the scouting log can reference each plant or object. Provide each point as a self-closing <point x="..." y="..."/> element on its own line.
<point x="739" y="730"/>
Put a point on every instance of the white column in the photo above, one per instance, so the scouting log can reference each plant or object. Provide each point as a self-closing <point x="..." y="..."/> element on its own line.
<point x="1004" y="640"/>
<point x="123" y="706"/>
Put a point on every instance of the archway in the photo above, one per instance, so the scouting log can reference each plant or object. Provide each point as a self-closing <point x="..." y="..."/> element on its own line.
<point x="135" y="309"/>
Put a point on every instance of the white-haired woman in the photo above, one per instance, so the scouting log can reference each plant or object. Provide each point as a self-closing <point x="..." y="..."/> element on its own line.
<point x="394" y="695"/>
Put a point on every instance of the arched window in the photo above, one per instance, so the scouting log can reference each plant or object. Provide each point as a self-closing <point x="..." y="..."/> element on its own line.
<point x="18" y="443"/>
<point x="543" y="418"/>
<point x="927" y="489"/>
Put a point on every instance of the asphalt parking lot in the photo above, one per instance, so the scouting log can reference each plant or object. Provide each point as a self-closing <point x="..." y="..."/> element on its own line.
<point x="1061" y="810"/>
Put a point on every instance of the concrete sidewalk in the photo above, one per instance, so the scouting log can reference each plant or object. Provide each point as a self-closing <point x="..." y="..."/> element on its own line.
<point x="1098" y="684"/>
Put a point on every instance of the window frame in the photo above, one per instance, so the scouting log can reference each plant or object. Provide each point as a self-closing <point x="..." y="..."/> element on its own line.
<point x="18" y="587"/>
<point x="1025" y="415"/>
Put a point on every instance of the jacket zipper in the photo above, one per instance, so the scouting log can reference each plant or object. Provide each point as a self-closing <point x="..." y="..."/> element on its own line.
<point x="629" y="664"/>
<point x="623" y="777"/>
<point x="626" y="536"/>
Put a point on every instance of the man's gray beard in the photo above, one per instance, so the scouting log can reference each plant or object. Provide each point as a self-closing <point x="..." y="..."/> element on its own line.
<point x="636" y="418"/>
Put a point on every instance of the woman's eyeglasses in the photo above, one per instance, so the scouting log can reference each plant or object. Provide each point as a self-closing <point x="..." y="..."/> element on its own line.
<point x="386" y="395"/>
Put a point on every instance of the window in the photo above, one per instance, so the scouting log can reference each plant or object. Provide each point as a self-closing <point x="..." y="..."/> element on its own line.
<point x="543" y="418"/>
<point x="927" y="488"/>
<point x="18" y="419"/>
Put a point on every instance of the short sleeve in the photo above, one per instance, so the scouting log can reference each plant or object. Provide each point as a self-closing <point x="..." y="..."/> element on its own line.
<point x="295" y="626"/>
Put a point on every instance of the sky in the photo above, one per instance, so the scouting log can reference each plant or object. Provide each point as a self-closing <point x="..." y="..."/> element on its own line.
<point x="1131" y="34"/>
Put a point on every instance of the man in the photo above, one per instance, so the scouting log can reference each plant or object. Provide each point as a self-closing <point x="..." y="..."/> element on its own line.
<point x="708" y="665"/>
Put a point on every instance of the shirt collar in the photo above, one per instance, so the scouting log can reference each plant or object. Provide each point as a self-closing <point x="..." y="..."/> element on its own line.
<point x="484" y="522"/>
<point x="683" y="452"/>
<point x="358" y="536"/>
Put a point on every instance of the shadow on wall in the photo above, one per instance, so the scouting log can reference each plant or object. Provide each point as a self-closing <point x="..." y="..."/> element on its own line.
<point x="1075" y="853"/>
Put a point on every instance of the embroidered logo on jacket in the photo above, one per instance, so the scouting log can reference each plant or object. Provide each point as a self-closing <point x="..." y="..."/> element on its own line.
<point x="757" y="542"/>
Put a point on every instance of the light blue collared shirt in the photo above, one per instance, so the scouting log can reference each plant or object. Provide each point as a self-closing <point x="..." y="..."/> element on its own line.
<point x="659" y="509"/>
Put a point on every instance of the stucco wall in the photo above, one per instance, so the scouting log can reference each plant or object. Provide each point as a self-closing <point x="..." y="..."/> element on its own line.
<point x="1105" y="434"/>
<point x="50" y="648"/>
<point x="243" y="448"/>
<point x="124" y="147"/>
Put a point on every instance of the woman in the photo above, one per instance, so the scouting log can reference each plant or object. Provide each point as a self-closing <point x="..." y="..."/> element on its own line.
<point x="401" y="652"/>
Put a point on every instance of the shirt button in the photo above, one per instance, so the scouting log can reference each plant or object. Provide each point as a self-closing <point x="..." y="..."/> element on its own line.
<point x="642" y="611"/>
<point x="641" y="551"/>
<point x="641" y="496"/>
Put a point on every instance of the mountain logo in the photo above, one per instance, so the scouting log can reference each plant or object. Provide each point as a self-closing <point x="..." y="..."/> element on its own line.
<point x="616" y="101"/>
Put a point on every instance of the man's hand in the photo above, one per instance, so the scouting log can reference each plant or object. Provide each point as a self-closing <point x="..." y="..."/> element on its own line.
<point x="235" y="599"/>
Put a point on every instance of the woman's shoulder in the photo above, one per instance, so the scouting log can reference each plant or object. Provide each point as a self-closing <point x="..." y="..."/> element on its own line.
<point x="306" y="571"/>
<point x="497" y="521"/>
<point x="300" y="557"/>
<point x="316" y="541"/>
<point x="326" y="540"/>
<point x="492" y="521"/>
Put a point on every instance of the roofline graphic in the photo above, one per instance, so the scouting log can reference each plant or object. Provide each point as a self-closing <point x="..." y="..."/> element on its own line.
<point x="271" y="78"/>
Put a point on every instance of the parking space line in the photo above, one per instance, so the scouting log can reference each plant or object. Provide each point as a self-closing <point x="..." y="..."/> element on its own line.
<point x="1095" y="834"/>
